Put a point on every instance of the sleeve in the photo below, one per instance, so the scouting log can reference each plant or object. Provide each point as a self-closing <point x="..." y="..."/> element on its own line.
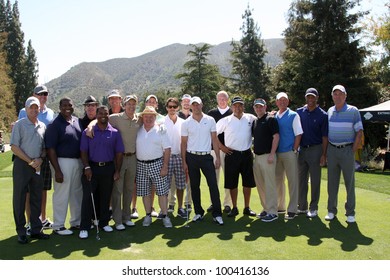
<point x="297" y="126"/>
<point x="84" y="142"/>
<point x="184" y="130"/>
<point x="22" y="114"/>
<point x="15" y="135"/>
<point x="221" y="125"/>
<point x="119" y="146"/>
<point x="51" y="137"/>
<point x="213" y="125"/>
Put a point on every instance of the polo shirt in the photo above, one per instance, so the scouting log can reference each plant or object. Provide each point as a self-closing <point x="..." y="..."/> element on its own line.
<point x="104" y="145"/>
<point x="151" y="144"/>
<point x="218" y="114"/>
<point x="174" y="133"/>
<point x="29" y="137"/>
<point x="343" y="124"/>
<point x="128" y="129"/>
<point x="289" y="127"/>
<point x="238" y="132"/>
<point x="314" y="124"/>
<point x="199" y="133"/>
<point x="85" y="121"/>
<point x="181" y="115"/>
<point x="46" y="115"/>
<point x="264" y="129"/>
<point x="64" y="137"/>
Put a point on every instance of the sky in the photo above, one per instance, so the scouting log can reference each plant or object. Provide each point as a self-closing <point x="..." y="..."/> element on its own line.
<point x="65" y="33"/>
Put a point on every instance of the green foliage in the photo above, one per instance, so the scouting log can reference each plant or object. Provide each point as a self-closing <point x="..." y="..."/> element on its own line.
<point x="323" y="49"/>
<point x="250" y="75"/>
<point x="201" y="78"/>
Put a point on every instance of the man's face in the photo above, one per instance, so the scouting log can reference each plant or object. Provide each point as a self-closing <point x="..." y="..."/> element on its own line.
<point x="238" y="109"/>
<point x="311" y="100"/>
<point x="32" y="111"/>
<point x="339" y="97"/>
<point x="42" y="97"/>
<point x="114" y="101"/>
<point x="222" y="101"/>
<point x="172" y="108"/>
<point x="149" y="120"/>
<point x="260" y="109"/>
<point x="282" y="103"/>
<point x="66" y="108"/>
<point x="185" y="104"/>
<point x="102" y="116"/>
<point x="152" y="102"/>
<point x="130" y="107"/>
<point x="196" y="108"/>
<point x="90" y="110"/>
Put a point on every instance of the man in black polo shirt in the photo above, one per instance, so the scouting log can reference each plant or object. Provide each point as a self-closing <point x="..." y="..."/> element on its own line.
<point x="266" y="139"/>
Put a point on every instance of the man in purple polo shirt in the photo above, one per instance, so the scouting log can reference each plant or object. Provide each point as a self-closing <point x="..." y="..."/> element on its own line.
<point x="102" y="158"/>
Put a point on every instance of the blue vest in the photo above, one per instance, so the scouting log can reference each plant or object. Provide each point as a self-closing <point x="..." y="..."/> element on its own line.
<point x="286" y="131"/>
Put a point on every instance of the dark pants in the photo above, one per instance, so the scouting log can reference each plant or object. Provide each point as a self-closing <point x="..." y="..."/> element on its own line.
<point x="101" y="186"/>
<point x="26" y="180"/>
<point x="204" y="163"/>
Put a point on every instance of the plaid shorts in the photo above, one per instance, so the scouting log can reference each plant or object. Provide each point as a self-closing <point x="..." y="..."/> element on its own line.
<point x="176" y="167"/>
<point x="148" y="174"/>
<point x="46" y="174"/>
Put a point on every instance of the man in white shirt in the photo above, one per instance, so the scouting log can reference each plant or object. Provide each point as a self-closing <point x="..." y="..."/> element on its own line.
<point x="153" y="153"/>
<point x="173" y="126"/>
<point x="238" y="160"/>
<point x="197" y="134"/>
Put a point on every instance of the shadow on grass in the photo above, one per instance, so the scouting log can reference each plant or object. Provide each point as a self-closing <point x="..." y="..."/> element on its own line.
<point x="61" y="247"/>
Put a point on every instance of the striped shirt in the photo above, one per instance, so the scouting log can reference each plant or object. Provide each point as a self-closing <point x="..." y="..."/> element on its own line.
<point x="343" y="124"/>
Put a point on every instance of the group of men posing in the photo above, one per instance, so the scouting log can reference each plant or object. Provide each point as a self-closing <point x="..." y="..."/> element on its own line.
<point x="122" y="152"/>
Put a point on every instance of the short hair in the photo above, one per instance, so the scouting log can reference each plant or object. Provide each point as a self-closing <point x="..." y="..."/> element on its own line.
<point x="172" y="99"/>
<point x="101" y="107"/>
<point x="222" y="92"/>
<point x="65" y="99"/>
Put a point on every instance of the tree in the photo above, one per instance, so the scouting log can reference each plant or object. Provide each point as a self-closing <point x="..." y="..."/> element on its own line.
<point x="250" y="75"/>
<point x="30" y="68"/>
<point x="201" y="79"/>
<point x="323" y="49"/>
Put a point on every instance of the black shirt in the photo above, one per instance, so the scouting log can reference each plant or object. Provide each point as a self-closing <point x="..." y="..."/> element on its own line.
<point x="263" y="130"/>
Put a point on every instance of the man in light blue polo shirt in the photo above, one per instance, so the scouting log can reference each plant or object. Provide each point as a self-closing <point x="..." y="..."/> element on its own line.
<point x="345" y="131"/>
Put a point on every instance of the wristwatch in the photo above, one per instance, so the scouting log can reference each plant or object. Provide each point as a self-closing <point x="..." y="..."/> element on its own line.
<point x="295" y="151"/>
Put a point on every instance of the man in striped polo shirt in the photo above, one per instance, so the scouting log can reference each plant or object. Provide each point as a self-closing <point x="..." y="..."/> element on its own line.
<point x="345" y="131"/>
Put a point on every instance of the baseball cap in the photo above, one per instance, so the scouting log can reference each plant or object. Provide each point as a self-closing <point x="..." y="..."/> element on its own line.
<point x="151" y="96"/>
<point x="196" y="99"/>
<point x="281" y="94"/>
<point x="31" y="101"/>
<point x="340" y="88"/>
<point x="130" y="97"/>
<point x="311" y="91"/>
<point x="186" y="96"/>
<point x="114" y="93"/>
<point x="237" y="99"/>
<point x="90" y="100"/>
<point x="40" y="89"/>
<point x="259" y="101"/>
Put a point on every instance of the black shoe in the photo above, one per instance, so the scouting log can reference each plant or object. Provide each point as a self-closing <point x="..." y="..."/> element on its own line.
<point x="290" y="216"/>
<point x="233" y="212"/>
<point x="22" y="239"/>
<point x="76" y="227"/>
<point x="210" y="209"/>
<point x="40" y="235"/>
<point x="249" y="212"/>
<point x="227" y="209"/>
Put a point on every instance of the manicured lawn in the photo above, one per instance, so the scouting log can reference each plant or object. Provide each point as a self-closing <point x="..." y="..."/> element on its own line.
<point x="241" y="238"/>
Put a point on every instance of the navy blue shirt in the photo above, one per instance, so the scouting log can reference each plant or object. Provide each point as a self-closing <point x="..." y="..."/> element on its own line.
<point x="64" y="137"/>
<point x="314" y="124"/>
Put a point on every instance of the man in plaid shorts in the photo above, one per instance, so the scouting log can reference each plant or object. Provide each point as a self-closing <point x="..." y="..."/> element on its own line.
<point x="153" y="152"/>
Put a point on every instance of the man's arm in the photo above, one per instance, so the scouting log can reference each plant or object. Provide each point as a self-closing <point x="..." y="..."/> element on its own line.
<point x="166" y="157"/>
<point x="33" y="162"/>
<point x="358" y="139"/>
<point x="214" y="139"/>
<point x="118" y="165"/>
<point x="274" y="147"/>
<point x="52" y="155"/>
<point x="183" y="147"/>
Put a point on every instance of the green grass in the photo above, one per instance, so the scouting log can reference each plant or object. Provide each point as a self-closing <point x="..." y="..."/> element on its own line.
<point x="243" y="238"/>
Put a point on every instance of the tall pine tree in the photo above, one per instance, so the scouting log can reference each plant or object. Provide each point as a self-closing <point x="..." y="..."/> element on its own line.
<point x="250" y="75"/>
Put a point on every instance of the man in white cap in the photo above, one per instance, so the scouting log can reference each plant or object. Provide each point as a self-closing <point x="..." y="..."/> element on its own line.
<point x="114" y="100"/>
<point x="198" y="135"/>
<point x="153" y="153"/>
<point x="345" y="134"/>
<point x="290" y="131"/>
<point x="27" y="144"/>
<point x="185" y="110"/>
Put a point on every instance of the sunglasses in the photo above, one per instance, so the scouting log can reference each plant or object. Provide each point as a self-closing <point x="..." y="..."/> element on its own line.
<point x="174" y="107"/>
<point x="42" y="93"/>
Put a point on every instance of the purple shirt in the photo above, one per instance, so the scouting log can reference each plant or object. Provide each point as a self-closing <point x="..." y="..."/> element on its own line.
<point x="104" y="145"/>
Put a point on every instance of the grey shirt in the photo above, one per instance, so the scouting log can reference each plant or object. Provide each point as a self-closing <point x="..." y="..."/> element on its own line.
<point x="29" y="137"/>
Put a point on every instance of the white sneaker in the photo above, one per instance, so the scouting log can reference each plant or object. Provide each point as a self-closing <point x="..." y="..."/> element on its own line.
<point x="107" y="228"/>
<point x="63" y="231"/>
<point x="351" y="219"/>
<point x="134" y="213"/>
<point x="218" y="220"/>
<point x="197" y="217"/>
<point x="120" y="227"/>
<point x="129" y="223"/>
<point x="83" y="234"/>
<point x="312" y="213"/>
<point x="329" y="217"/>
<point x="167" y="222"/>
<point x="154" y="213"/>
<point x="147" y="221"/>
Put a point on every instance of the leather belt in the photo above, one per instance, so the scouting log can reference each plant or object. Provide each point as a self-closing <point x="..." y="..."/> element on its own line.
<point x="128" y="154"/>
<point x="242" y="152"/>
<point x="150" y="161"/>
<point x="199" y="153"/>
<point x="308" y="146"/>
<point x="101" y="163"/>
<point x="341" y="146"/>
<point x="260" y="154"/>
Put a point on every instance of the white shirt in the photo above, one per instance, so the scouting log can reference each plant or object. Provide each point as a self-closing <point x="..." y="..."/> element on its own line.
<point x="174" y="133"/>
<point x="199" y="133"/>
<point x="238" y="132"/>
<point x="151" y="144"/>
